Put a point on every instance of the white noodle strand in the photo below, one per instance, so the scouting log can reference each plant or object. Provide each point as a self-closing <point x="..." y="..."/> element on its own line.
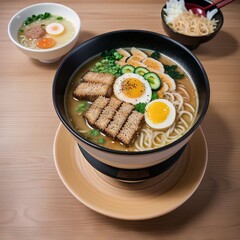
<point x="150" y="138"/>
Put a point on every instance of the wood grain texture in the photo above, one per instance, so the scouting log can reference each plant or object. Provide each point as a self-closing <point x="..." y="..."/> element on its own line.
<point x="34" y="204"/>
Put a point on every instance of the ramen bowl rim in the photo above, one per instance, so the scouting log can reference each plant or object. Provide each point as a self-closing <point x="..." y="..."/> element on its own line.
<point x="113" y="151"/>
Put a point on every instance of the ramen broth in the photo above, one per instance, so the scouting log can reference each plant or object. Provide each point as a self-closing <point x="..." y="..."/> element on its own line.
<point x="79" y="123"/>
<point x="58" y="38"/>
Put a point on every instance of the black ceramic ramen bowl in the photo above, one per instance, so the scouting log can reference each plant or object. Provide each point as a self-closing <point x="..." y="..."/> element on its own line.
<point x="125" y="39"/>
<point x="192" y="42"/>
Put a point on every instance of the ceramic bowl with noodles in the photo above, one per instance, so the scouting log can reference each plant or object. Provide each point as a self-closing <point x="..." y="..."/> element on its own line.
<point x="187" y="28"/>
<point x="128" y="99"/>
<point x="45" y="31"/>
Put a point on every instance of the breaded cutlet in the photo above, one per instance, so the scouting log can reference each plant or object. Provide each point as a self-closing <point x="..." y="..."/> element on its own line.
<point x="130" y="128"/>
<point x="119" y="119"/>
<point x="95" y="110"/>
<point x="104" y="78"/>
<point x="91" y="91"/>
<point x="107" y="114"/>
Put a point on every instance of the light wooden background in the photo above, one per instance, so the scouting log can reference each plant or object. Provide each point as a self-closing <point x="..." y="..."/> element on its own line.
<point x="34" y="204"/>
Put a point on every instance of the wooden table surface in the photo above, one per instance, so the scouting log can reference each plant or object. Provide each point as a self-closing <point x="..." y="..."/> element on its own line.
<point x="34" y="203"/>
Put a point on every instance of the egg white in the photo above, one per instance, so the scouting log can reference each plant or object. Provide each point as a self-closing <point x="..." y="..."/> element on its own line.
<point x="167" y="122"/>
<point x="117" y="88"/>
<point x="50" y="28"/>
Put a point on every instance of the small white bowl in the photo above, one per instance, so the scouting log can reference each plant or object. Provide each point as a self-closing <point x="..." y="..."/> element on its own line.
<point x="45" y="55"/>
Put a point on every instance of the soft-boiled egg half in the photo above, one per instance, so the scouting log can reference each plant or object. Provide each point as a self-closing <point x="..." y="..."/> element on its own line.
<point x="160" y="114"/>
<point x="54" y="28"/>
<point x="132" y="88"/>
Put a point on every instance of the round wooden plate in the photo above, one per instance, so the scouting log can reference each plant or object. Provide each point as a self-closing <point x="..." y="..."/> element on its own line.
<point x="130" y="201"/>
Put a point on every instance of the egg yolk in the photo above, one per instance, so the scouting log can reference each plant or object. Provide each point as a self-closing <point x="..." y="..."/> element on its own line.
<point x="133" y="88"/>
<point x="157" y="112"/>
<point x="46" y="42"/>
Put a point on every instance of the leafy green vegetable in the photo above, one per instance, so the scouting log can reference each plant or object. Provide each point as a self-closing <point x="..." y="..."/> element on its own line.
<point x="82" y="107"/>
<point x="156" y="55"/>
<point x="94" y="132"/>
<point x="101" y="140"/>
<point x="140" y="107"/>
<point x="34" y="18"/>
<point x="112" y="55"/>
<point x="154" y="96"/>
<point x="171" y="70"/>
<point x="59" y="18"/>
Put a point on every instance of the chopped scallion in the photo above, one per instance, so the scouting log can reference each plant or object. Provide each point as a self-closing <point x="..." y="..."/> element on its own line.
<point x="94" y="132"/>
<point x="37" y="17"/>
<point x="82" y="107"/>
<point x="101" y="140"/>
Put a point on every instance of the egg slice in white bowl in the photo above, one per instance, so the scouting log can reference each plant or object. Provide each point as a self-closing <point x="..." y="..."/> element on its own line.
<point x="55" y="28"/>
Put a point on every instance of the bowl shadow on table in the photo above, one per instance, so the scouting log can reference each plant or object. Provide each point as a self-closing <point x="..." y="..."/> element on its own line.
<point x="202" y="200"/>
<point x="84" y="36"/>
<point x="222" y="45"/>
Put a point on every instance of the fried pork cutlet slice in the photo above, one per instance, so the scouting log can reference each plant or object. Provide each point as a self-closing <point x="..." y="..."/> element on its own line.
<point x="107" y="114"/>
<point x="91" y="91"/>
<point x="104" y="78"/>
<point x="130" y="128"/>
<point x="119" y="119"/>
<point x="95" y="110"/>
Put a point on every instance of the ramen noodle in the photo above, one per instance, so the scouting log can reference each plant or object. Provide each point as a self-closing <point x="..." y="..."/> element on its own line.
<point x="185" y="22"/>
<point x="190" y="24"/>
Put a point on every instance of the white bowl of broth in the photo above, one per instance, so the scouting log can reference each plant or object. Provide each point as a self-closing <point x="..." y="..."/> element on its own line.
<point x="148" y="146"/>
<point x="29" y="31"/>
